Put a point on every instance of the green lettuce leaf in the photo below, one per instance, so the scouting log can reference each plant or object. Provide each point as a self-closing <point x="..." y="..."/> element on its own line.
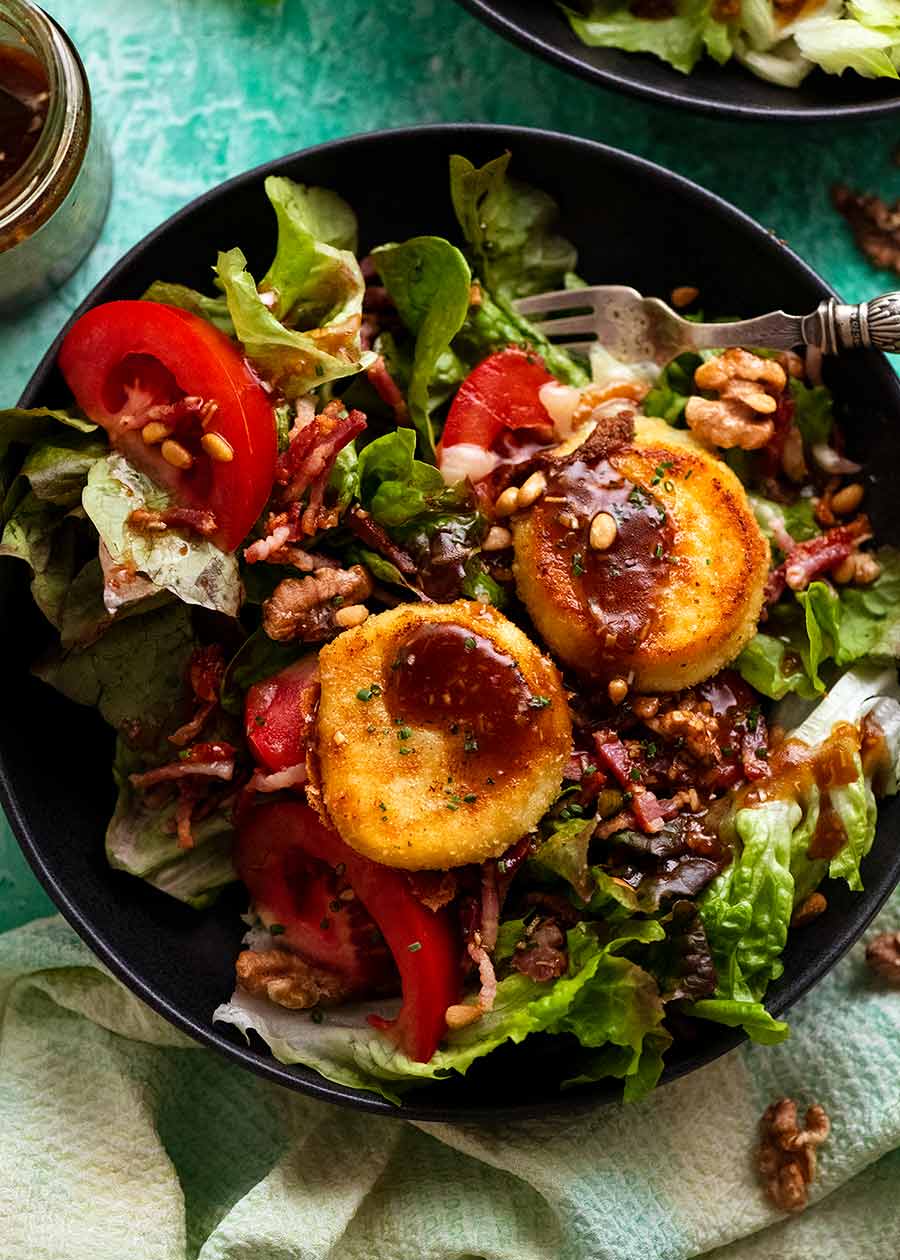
<point x="396" y="487"/>
<point x="48" y="539"/>
<point x="212" y="309"/>
<point x="813" y="411"/>
<point x="680" y="40"/>
<point x="839" y="44"/>
<point x="602" y="1000"/>
<point x="565" y="853"/>
<point x="191" y="567"/>
<point x="753" y="1017"/>
<point x="429" y="282"/>
<point x="797" y="518"/>
<point x="747" y="909"/>
<point x="492" y="325"/>
<point x="26" y="427"/>
<point x="508" y="227"/>
<point x="134" y="673"/>
<point x="674" y="385"/>
<point x="142" y="841"/>
<point x="300" y="328"/>
<point x="258" y="657"/>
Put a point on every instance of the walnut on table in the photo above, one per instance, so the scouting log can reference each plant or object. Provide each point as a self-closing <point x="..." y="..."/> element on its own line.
<point x="748" y="389"/>
<point x="787" y="1152"/>
<point x="286" y="979"/>
<point x="312" y="608"/>
<point x="883" y="956"/>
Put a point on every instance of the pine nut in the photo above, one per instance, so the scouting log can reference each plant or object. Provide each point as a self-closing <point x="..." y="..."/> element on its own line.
<point x="532" y="490"/>
<point x="507" y="502"/>
<point x="352" y="615"/>
<point x="684" y="295"/>
<point x="217" y="448"/>
<point x="461" y="1016"/>
<point x="867" y="569"/>
<point x="845" y="571"/>
<point x="847" y="499"/>
<point x="814" y="905"/>
<point x="498" y="538"/>
<point x="617" y="690"/>
<point x="207" y="412"/>
<point x="645" y="707"/>
<point x="154" y="432"/>
<point x="568" y="520"/>
<point x="603" y="531"/>
<point x="175" y="454"/>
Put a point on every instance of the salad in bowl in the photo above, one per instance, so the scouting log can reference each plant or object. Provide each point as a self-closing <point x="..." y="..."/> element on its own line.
<point x="781" y="41"/>
<point x="523" y="695"/>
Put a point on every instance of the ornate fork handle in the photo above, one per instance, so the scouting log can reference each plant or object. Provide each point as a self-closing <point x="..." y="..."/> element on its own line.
<point x="832" y="327"/>
<point x="836" y="326"/>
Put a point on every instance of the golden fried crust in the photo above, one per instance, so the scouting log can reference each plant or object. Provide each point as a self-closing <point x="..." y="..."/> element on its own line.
<point x="422" y="794"/>
<point x="707" y="587"/>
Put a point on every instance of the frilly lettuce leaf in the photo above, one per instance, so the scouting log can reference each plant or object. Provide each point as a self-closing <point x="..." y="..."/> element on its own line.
<point x="395" y="486"/>
<point x="747" y="909"/>
<point x="604" y="1000"/>
<point x="680" y="40"/>
<point x="300" y="328"/>
<point x="191" y="567"/>
<point x="430" y="283"/>
<point x="493" y="325"/>
<point x="508" y="227"/>
<point x="23" y="427"/>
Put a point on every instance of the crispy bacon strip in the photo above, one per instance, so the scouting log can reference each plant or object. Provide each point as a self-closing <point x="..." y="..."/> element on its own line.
<point x="806" y="560"/>
<point x="368" y="530"/>
<point x="613" y="755"/>
<point x="388" y="390"/>
<point x="214" y="761"/>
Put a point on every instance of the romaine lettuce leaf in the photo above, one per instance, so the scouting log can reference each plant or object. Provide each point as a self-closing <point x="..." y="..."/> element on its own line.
<point x="508" y="227"/>
<point x="603" y="1000"/>
<point x="47" y="538"/>
<point x="813" y="411"/>
<point x="747" y="909"/>
<point x="492" y="325"/>
<point x="430" y="283"/>
<point x="191" y="567"/>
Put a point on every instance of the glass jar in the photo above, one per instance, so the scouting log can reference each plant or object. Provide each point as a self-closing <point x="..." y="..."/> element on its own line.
<point x="53" y="206"/>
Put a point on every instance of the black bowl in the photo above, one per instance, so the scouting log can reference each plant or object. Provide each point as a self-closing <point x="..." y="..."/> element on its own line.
<point x="635" y="224"/>
<point x="730" y="91"/>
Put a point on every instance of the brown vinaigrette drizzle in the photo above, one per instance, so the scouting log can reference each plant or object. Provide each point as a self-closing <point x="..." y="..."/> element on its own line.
<point x="447" y="676"/>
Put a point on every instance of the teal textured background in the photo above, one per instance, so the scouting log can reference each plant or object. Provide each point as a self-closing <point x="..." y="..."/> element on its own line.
<point x="193" y="91"/>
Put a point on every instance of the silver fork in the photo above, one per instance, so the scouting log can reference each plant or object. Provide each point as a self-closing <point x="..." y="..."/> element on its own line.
<point x="638" y="329"/>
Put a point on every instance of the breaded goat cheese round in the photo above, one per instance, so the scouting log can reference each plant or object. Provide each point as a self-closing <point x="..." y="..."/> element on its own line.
<point x="443" y="734"/>
<point x="642" y="559"/>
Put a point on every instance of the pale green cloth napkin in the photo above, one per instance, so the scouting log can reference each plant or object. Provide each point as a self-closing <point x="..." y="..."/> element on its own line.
<point x="121" y="1139"/>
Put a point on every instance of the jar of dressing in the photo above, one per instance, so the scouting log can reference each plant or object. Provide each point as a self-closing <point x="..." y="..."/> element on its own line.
<point x="54" y="164"/>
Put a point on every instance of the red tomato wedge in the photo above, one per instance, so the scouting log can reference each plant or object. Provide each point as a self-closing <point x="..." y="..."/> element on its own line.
<point x="276" y="844"/>
<point x="278" y="714"/>
<point x="501" y="393"/>
<point x="131" y="365"/>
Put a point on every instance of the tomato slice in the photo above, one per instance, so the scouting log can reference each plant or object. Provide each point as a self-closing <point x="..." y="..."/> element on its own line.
<point x="131" y="364"/>
<point x="276" y="843"/>
<point x="278" y="714"/>
<point x="501" y="393"/>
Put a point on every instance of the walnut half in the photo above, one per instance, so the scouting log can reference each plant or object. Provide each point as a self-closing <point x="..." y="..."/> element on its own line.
<point x="883" y="956"/>
<point x="787" y="1153"/>
<point x="305" y="608"/>
<point x="287" y="979"/>
<point x="748" y="389"/>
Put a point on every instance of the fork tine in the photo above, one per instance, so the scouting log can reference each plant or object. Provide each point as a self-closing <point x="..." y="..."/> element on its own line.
<point x="578" y="347"/>
<point x="554" y="328"/>
<point x="562" y="300"/>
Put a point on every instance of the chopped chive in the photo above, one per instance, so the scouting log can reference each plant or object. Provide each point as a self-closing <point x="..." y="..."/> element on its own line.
<point x="469" y="643"/>
<point x="538" y="702"/>
<point x="470" y="798"/>
<point x="471" y="744"/>
<point x="276" y="928"/>
<point x="259" y="720"/>
<point x="577" y="564"/>
<point x="404" y="732"/>
<point x="635" y="774"/>
<point x="414" y="947"/>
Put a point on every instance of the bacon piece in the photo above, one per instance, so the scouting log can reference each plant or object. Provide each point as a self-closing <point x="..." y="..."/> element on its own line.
<point x="490" y="905"/>
<point x="367" y="530"/>
<point x="818" y="555"/>
<point x="388" y="390"/>
<point x="263" y="548"/>
<point x="435" y="889"/>
<point x="314" y="448"/>
<point x="486" y="975"/>
<point x="280" y="780"/>
<point x="545" y="957"/>
<point x="193" y="520"/>
<point x="613" y="754"/>
<point x="214" y="761"/>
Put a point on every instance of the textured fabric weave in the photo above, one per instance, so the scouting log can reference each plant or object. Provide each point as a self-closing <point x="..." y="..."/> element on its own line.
<point x="122" y="1140"/>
